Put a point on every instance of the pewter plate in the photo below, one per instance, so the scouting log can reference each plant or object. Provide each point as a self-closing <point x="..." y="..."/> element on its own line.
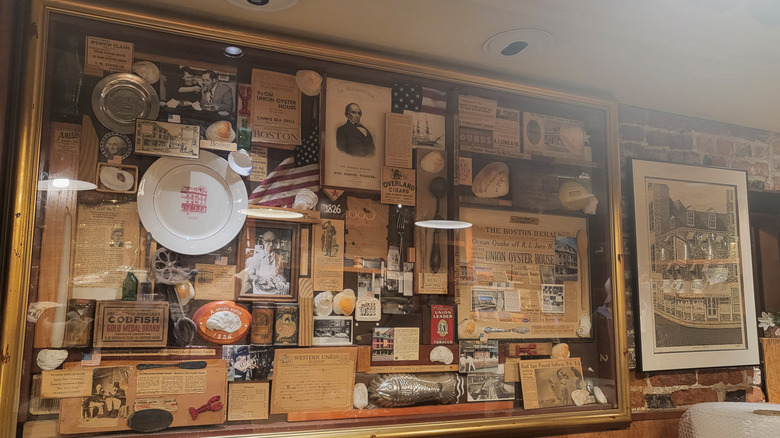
<point x="120" y="98"/>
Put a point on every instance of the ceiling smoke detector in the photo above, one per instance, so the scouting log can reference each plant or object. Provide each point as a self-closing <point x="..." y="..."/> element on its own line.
<point x="264" y="5"/>
<point x="518" y="43"/>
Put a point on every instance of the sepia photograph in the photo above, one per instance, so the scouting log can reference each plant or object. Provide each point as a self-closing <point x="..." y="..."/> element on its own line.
<point x="478" y="356"/>
<point x="167" y="139"/>
<point x="269" y="258"/>
<point x="108" y="400"/>
<point x="489" y="387"/>
<point x="552" y="298"/>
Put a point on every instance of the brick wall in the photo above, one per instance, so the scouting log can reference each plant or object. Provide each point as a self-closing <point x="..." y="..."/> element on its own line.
<point x="658" y="136"/>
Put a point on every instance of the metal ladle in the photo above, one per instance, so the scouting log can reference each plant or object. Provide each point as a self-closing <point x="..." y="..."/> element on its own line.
<point x="438" y="188"/>
<point x="183" y="327"/>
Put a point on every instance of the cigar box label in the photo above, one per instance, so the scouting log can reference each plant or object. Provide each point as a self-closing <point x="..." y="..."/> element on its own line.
<point x="442" y="317"/>
<point x="529" y="349"/>
<point x="131" y="324"/>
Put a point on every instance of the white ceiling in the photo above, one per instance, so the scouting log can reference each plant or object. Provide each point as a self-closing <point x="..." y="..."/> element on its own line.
<point x="701" y="58"/>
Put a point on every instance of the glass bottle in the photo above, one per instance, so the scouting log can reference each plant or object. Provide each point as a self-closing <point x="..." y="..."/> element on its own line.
<point x="130" y="287"/>
<point x="244" y="136"/>
<point x="68" y="76"/>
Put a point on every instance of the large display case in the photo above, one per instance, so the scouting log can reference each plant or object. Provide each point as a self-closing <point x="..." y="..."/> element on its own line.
<point x="302" y="239"/>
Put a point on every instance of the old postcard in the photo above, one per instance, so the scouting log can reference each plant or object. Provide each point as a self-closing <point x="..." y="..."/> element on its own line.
<point x="276" y="109"/>
<point x="550" y="382"/>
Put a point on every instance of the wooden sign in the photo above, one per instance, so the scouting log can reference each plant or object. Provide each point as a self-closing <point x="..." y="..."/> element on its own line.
<point x="131" y="324"/>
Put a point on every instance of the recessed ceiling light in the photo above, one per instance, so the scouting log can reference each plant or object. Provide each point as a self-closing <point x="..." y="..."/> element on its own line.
<point x="234" y="52"/>
<point x="518" y="43"/>
<point x="264" y="5"/>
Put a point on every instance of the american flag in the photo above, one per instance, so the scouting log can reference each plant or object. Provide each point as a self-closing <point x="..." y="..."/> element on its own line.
<point x="299" y="171"/>
<point x="415" y="97"/>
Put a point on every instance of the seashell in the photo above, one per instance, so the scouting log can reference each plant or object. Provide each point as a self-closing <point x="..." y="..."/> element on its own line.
<point x="573" y="138"/>
<point x="560" y="351"/>
<point x="323" y="303"/>
<point x="599" y="394"/>
<point x="344" y="302"/>
<point x="432" y="162"/>
<point x="305" y="199"/>
<point x="225" y="321"/>
<point x="467" y="328"/>
<point x="442" y="354"/>
<point x="185" y="291"/>
<point x="583" y="330"/>
<point x="221" y="130"/>
<point x="593" y="202"/>
<point x="492" y="181"/>
<point x="116" y="179"/>
<point x="148" y="71"/>
<point x="574" y="195"/>
<point x="360" y="396"/>
<point x="309" y="82"/>
<point x="51" y="359"/>
<point x="579" y="396"/>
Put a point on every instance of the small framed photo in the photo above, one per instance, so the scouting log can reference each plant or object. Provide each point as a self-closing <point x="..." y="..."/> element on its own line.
<point x="167" y="139"/>
<point x="117" y="178"/>
<point x="115" y="144"/>
<point x="332" y="330"/>
<point x="268" y="256"/>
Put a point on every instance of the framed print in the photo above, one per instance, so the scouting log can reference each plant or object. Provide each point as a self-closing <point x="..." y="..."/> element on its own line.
<point x="167" y="139"/>
<point x="354" y="147"/>
<point x="268" y="255"/>
<point x="695" y="288"/>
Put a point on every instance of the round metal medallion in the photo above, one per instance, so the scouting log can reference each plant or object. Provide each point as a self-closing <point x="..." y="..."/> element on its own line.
<point x="120" y="98"/>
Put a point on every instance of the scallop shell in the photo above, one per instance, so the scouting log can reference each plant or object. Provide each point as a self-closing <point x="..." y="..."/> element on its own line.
<point x="442" y="354"/>
<point x="492" y="181"/>
<point x="360" y="396"/>
<point x="344" y="302"/>
<point x="309" y="82"/>
<point x="560" y="351"/>
<point x="224" y="321"/>
<point x="323" y="303"/>
<point x="51" y="359"/>
<point x="583" y="330"/>
<point x="185" y="291"/>
<point x="599" y="394"/>
<point x="116" y="179"/>
<point x="432" y="162"/>
<point x="221" y="131"/>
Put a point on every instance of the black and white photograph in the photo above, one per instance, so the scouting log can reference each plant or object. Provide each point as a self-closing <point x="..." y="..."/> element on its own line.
<point x="555" y="385"/>
<point x="694" y="266"/>
<point x="269" y="260"/>
<point x="486" y="300"/>
<point x="489" y="387"/>
<point x="114" y="144"/>
<point x="552" y="298"/>
<point x="108" y="401"/>
<point x="332" y="330"/>
<point x="478" y="356"/>
<point x="565" y="259"/>
<point x="167" y="139"/>
<point x="248" y="362"/>
<point x="354" y="147"/>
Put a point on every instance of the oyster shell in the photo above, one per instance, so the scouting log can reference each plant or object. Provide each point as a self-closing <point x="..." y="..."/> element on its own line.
<point x="560" y="351"/>
<point x="442" y="354"/>
<point x="432" y="162"/>
<point x="51" y="359"/>
<point x="579" y="396"/>
<point x="599" y="394"/>
<point x="583" y="330"/>
<point x="360" y="396"/>
<point x="344" y="302"/>
<point x="574" y="195"/>
<point x="116" y="179"/>
<point x="148" y="71"/>
<point x="305" y="199"/>
<point x="492" y="181"/>
<point x="323" y="303"/>
<point x="309" y="82"/>
<point x="225" y="321"/>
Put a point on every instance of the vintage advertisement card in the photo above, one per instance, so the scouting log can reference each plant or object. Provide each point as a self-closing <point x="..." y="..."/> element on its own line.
<point x="66" y="383"/>
<point x="107" y="239"/>
<point x="111" y="55"/>
<point x="313" y="379"/>
<point x="475" y="112"/>
<point x="555" y="137"/>
<point x="131" y="323"/>
<point x="398" y="186"/>
<point x="167" y="139"/>
<point x="366" y="223"/>
<point x="248" y="401"/>
<point x="506" y="136"/>
<point x="550" y="382"/>
<point x="528" y="275"/>
<point x="328" y="255"/>
<point x="398" y="140"/>
<point x="396" y="344"/>
<point x="259" y="156"/>
<point x="276" y="109"/>
<point x="354" y="147"/>
<point x="215" y="282"/>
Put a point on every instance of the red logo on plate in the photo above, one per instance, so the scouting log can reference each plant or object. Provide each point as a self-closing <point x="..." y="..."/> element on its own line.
<point x="194" y="199"/>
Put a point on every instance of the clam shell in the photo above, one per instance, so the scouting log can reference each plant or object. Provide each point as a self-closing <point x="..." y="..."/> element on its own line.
<point x="309" y="82"/>
<point x="344" y="302"/>
<point x="323" y="303"/>
<point x="599" y="394"/>
<point x="560" y="351"/>
<point x="442" y="354"/>
<point x="221" y="130"/>
<point x="116" y="179"/>
<point x="492" y="181"/>
<point x="51" y="359"/>
<point x="579" y="396"/>
<point x="432" y="162"/>
<point x="360" y="396"/>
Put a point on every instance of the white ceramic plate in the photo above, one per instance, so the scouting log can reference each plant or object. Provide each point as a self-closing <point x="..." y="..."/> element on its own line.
<point x="192" y="206"/>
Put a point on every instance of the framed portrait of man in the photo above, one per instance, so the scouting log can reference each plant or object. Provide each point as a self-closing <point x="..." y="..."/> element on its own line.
<point x="268" y="261"/>
<point x="354" y="147"/>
